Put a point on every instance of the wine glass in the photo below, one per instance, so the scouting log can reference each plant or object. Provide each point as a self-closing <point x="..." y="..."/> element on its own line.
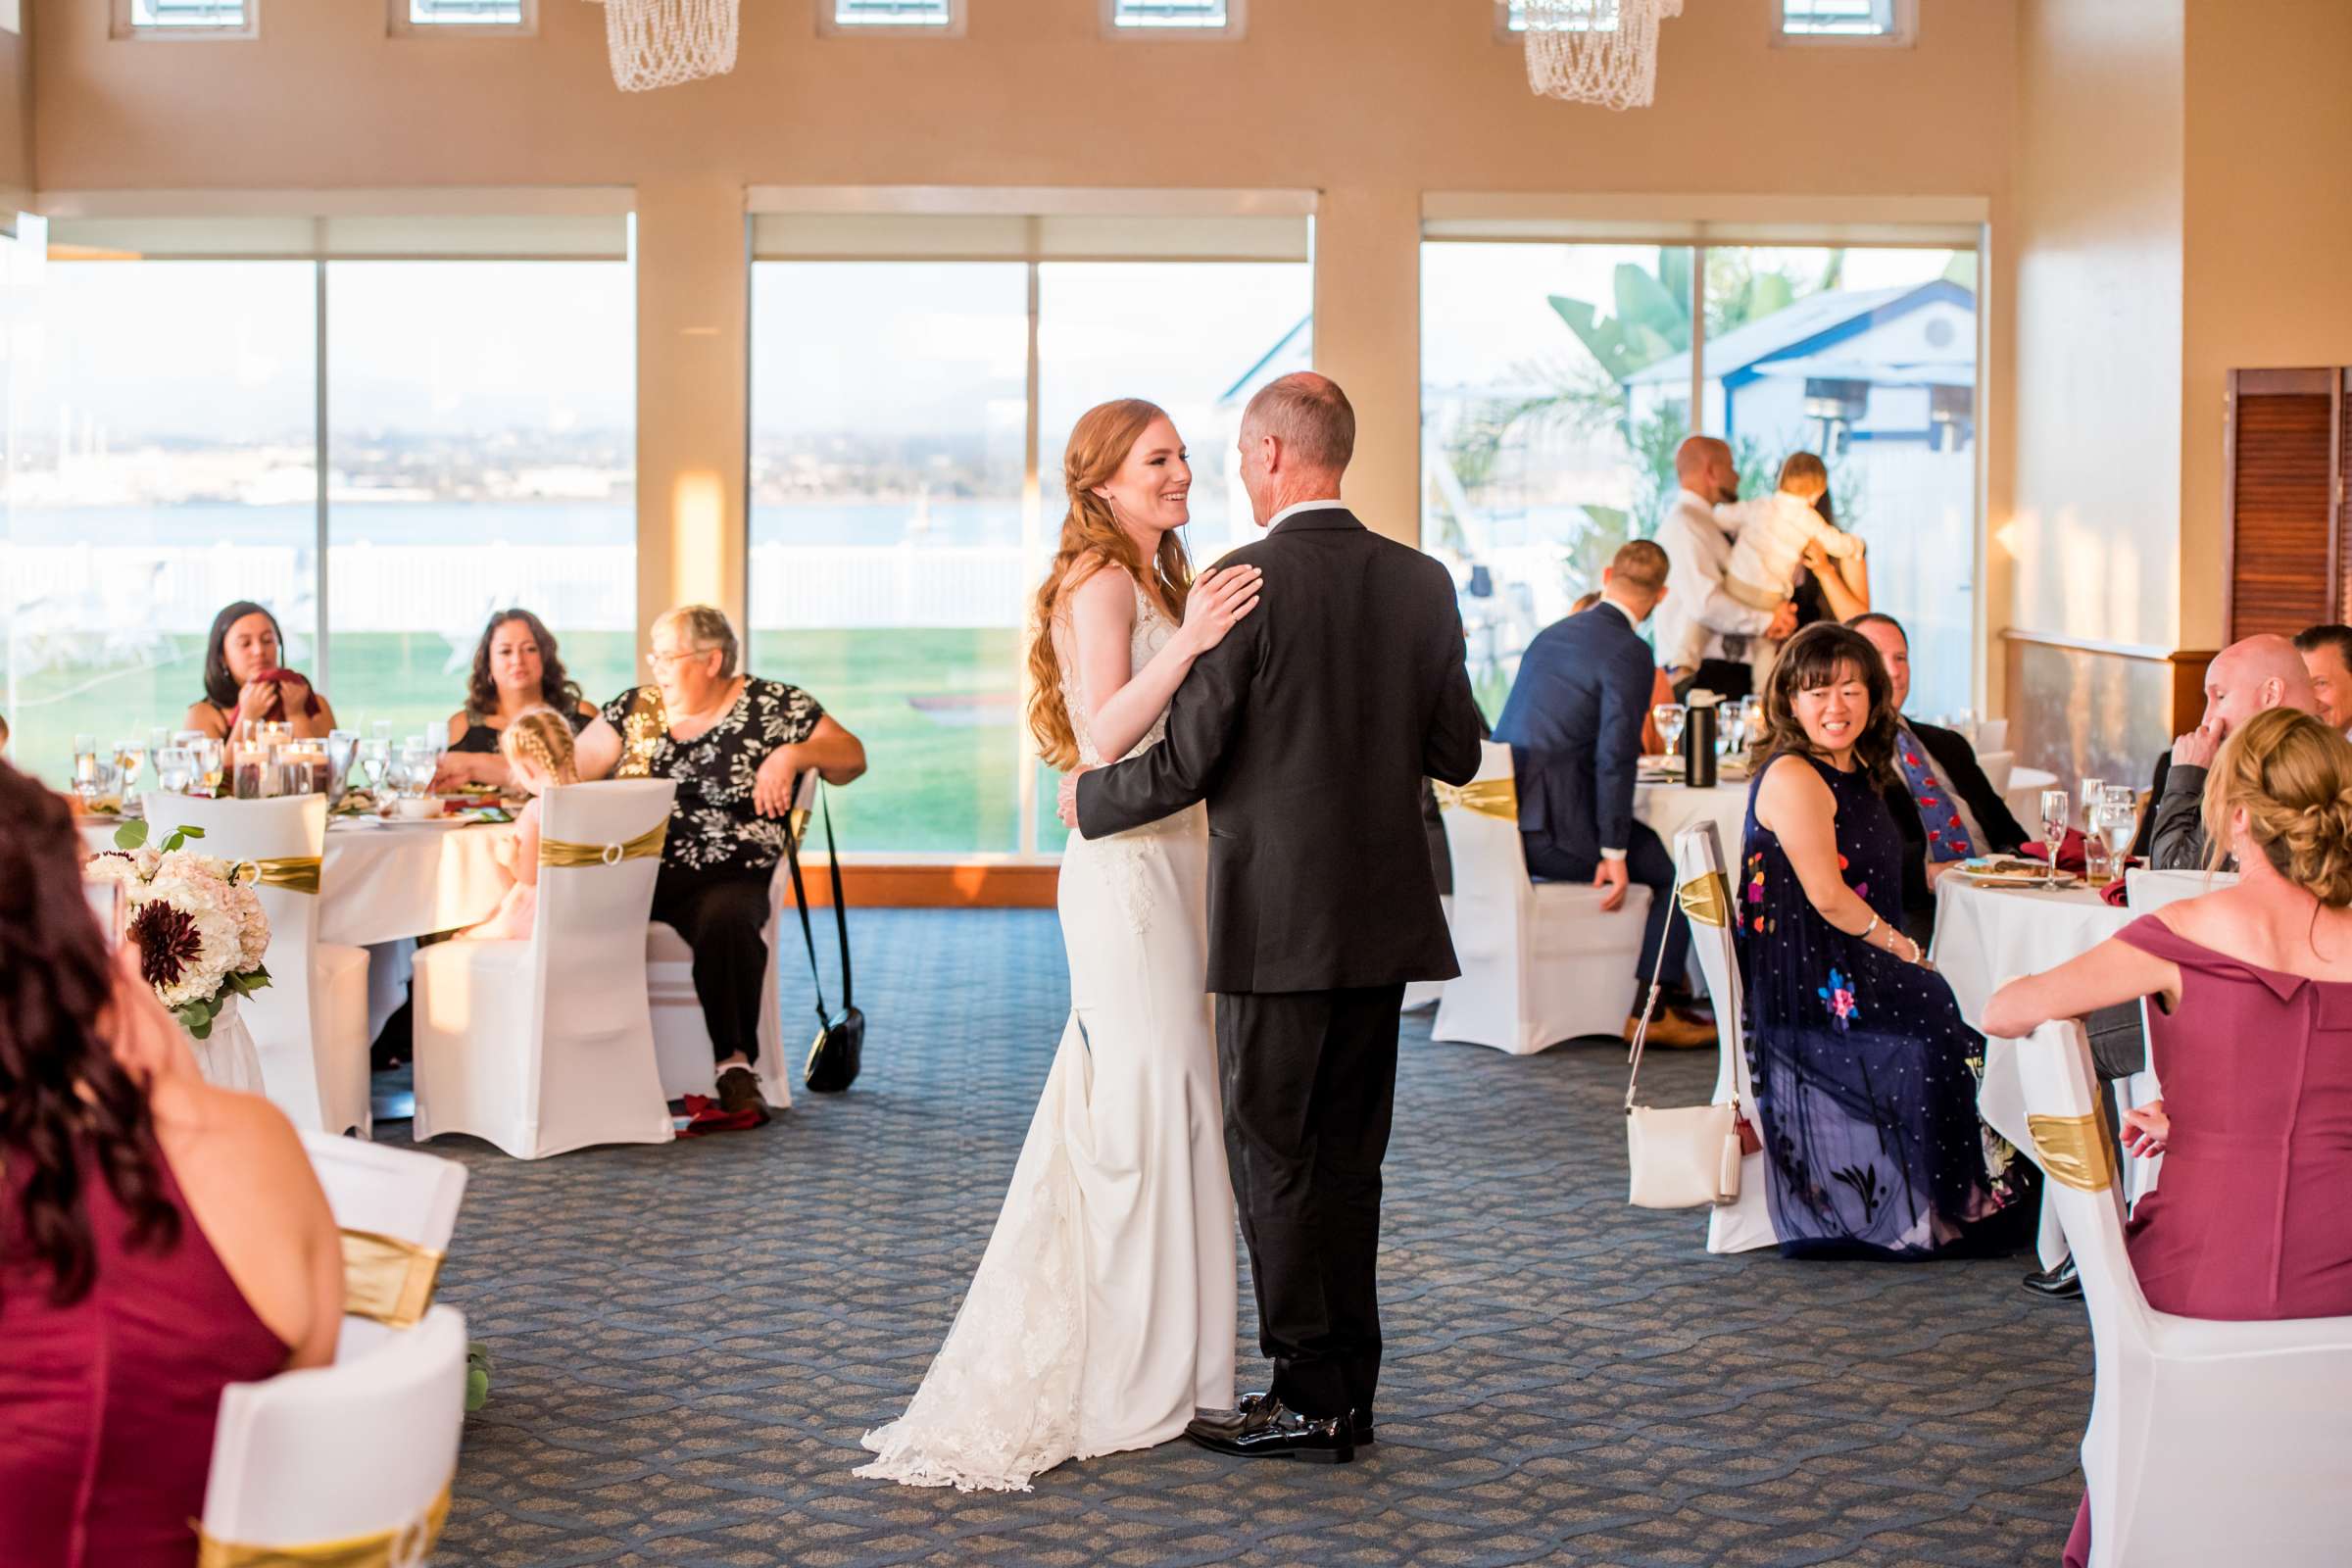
<point x="2116" y="823"/>
<point x="130" y="759"/>
<point x="86" y="762"/>
<point x="175" y="769"/>
<point x="1670" y="717"/>
<point x="375" y="758"/>
<point x="2055" y="804"/>
<point x="2093" y="791"/>
<point x="209" y="755"/>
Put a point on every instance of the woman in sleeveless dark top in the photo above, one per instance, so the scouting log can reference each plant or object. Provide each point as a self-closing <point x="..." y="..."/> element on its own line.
<point x="515" y="668"/>
<point x="1864" y="1072"/>
<point x="2252" y="1039"/>
<point x="160" y="1239"/>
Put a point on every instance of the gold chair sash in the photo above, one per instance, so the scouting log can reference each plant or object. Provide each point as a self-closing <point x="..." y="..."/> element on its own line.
<point x="291" y="873"/>
<point x="403" y="1547"/>
<point x="2075" y="1150"/>
<point x="1707" y="899"/>
<point x="1489" y="797"/>
<point x="645" y="845"/>
<point x="388" y="1279"/>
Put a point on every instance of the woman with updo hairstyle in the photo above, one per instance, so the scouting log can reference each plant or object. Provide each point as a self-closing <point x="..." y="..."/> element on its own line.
<point x="2251" y="1035"/>
<point x="160" y="1239"/>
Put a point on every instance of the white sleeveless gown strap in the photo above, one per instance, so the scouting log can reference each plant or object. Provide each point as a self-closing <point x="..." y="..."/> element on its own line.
<point x="1103" y="1311"/>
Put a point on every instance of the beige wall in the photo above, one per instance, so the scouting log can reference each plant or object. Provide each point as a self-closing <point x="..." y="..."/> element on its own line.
<point x="2090" y="522"/>
<point x="2269" y="253"/>
<point x="1370" y="102"/>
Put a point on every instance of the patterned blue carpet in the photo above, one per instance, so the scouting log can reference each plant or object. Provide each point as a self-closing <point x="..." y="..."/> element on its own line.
<point x="689" y="1340"/>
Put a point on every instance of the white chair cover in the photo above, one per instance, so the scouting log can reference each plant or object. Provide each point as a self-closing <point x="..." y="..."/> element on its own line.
<point x="1541" y="962"/>
<point x="396" y="1193"/>
<point x="1700" y="873"/>
<point x="363" y="1448"/>
<point x="1997" y="766"/>
<point x="1993" y="735"/>
<point x="681" y="1034"/>
<point x="547" y="1044"/>
<point x="309" y="1023"/>
<point x="2209" y="1442"/>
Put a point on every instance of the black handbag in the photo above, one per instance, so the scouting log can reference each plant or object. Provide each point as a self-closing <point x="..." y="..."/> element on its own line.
<point x="840" y="1046"/>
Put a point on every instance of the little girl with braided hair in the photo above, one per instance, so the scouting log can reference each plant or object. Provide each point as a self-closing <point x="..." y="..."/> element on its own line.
<point x="537" y="746"/>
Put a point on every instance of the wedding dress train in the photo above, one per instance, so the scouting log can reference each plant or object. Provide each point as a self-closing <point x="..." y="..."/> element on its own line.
<point x="1102" y="1310"/>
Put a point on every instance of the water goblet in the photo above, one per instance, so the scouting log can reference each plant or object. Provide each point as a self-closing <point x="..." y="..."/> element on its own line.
<point x="175" y="769"/>
<point x="1670" y="717"/>
<point x="2117" y="823"/>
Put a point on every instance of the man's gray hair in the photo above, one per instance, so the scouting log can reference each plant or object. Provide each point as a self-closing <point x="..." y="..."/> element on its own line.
<point x="1309" y="416"/>
<point x="702" y="627"/>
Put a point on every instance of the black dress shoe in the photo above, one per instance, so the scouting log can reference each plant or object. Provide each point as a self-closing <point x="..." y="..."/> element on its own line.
<point x="1359" y="1419"/>
<point x="2061" y="1284"/>
<point x="1270" y="1430"/>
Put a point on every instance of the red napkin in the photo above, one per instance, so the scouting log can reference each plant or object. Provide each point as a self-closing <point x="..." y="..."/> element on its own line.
<point x="2113" y="893"/>
<point x="702" y="1115"/>
<point x="2070" y="852"/>
<point x="277" y="704"/>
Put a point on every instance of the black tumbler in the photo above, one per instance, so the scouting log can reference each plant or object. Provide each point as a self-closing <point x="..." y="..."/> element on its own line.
<point x="1698" y="747"/>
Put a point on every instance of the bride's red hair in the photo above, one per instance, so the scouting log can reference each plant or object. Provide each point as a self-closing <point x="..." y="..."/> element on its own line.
<point x="1091" y="540"/>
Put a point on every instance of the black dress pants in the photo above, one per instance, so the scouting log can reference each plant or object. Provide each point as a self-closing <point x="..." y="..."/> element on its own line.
<point x="722" y="914"/>
<point x="1310" y="1080"/>
<point x="1647" y="864"/>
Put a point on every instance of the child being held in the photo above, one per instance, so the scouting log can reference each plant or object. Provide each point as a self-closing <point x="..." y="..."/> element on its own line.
<point x="537" y="746"/>
<point x="1774" y="532"/>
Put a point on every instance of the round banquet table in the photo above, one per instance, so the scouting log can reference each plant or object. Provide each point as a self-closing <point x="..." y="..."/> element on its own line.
<point x="387" y="881"/>
<point x="1669" y="808"/>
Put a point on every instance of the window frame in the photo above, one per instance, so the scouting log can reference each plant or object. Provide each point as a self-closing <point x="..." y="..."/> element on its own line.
<point x="831" y="25"/>
<point x="1235" y="26"/>
<point x="123" y="23"/>
<point x="1504" y="32"/>
<point x="400" y="22"/>
<point x="1902" y="34"/>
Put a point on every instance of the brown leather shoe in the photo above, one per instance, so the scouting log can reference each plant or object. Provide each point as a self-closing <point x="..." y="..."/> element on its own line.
<point x="1670" y="1030"/>
<point x="739" y="1091"/>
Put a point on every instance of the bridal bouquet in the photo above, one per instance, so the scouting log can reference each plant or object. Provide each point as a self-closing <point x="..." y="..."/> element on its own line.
<point x="199" y="926"/>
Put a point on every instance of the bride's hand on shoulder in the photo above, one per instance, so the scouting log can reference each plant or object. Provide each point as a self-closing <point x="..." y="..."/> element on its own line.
<point x="1216" y="604"/>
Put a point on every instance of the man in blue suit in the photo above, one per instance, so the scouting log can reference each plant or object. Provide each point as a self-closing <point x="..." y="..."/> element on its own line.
<point x="1574" y="724"/>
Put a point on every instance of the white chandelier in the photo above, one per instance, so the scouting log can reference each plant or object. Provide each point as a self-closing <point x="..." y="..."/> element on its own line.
<point x="1601" y="52"/>
<point x="661" y="44"/>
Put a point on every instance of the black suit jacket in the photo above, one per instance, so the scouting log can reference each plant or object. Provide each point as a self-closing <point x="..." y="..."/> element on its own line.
<point x="1953" y="756"/>
<point x="1574" y="724"/>
<point x="1309" y="731"/>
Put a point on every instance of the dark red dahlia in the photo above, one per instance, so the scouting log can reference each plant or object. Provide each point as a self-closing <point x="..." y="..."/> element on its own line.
<point x="168" y="943"/>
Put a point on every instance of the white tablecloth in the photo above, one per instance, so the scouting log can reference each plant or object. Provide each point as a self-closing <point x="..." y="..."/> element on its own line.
<point x="395" y="880"/>
<point x="1985" y="936"/>
<point x="1668" y="808"/>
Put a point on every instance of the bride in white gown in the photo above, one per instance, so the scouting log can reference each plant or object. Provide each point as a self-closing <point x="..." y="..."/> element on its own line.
<point x="1103" y="1311"/>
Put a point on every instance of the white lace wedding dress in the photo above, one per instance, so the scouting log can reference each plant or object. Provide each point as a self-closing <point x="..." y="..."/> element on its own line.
<point x="1103" y="1311"/>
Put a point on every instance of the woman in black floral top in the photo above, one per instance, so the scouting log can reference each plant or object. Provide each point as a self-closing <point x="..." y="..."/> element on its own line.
<point x="733" y="743"/>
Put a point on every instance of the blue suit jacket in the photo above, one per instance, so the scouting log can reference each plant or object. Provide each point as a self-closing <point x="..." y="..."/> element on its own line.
<point x="1574" y="724"/>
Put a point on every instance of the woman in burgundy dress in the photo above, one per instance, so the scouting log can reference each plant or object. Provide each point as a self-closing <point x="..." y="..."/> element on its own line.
<point x="160" y="1239"/>
<point x="2252" y="1040"/>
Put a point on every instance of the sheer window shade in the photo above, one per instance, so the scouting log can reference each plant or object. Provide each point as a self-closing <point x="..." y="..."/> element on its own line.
<point x="1050" y="237"/>
<point x="1853" y="18"/>
<point x="892" y="12"/>
<point x="603" y="237"/>
<point x="1149" y="14"/>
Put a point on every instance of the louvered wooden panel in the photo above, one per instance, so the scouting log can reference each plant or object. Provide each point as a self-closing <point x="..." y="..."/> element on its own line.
<point x="2343" y="503"/>
<point x="2280" y="576"/>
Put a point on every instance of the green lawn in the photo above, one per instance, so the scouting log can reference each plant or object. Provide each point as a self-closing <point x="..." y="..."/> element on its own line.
<point x="938" y="710"/>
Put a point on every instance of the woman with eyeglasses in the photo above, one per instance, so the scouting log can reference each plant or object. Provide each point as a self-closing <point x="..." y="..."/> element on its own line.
<point x="734" y="744"/>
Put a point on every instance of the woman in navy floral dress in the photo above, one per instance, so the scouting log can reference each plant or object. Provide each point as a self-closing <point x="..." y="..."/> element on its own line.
<point x="1865" y="1075"/>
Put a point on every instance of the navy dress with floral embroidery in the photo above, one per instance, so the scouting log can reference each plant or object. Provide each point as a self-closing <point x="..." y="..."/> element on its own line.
<point x="1865" y="1075"/>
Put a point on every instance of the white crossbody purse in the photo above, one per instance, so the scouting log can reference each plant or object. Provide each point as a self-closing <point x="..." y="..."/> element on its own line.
<point x="1683" y="1158"/>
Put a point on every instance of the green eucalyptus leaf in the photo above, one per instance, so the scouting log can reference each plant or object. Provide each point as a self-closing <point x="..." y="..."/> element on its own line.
<point x="176" y="838"/>
<point x="131" y="835"/>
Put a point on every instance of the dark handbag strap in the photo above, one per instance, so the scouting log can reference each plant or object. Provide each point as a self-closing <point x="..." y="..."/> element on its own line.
<point x="841" y="914"/>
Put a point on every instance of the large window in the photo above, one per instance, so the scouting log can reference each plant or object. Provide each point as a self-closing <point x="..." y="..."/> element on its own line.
<point x="481" y="438"/>
<point x="166" y="442"/>
<point x="1868" y="358"/>
<point x="902" y="517"/>
<point x="1866" y="20"/>
<point x="166" y="429"/>
<point x="1558" y="380"/>
<point x="1536" y="463"/>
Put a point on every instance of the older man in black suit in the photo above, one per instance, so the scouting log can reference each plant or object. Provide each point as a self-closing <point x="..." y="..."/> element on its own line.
<point x="1573" y="722"/>
<point x="1945" y="807"/>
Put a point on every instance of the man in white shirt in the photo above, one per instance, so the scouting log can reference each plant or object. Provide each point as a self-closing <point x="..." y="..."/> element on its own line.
<point x="1702" y="631"/>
